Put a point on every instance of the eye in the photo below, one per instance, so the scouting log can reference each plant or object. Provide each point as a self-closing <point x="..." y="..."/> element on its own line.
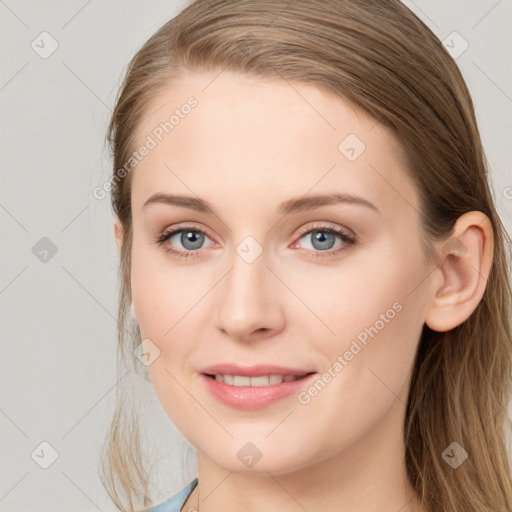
<point x="189" y="237"/>
<point x="323" y="238"/>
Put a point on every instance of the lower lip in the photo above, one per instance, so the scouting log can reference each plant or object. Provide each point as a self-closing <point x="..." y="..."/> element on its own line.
<point x="253" y="397"/>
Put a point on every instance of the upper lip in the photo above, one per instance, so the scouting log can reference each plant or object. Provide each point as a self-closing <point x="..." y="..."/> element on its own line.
<point x="253" y="371"/>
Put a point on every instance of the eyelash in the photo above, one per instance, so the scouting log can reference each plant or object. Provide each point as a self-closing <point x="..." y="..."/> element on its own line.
<point x="346" y="238"/>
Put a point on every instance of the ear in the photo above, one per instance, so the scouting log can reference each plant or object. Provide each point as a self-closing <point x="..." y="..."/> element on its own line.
<point x="465" y="263"/>
<point x="118" y="232"/>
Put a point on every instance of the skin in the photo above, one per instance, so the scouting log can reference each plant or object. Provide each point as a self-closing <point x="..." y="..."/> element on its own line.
<point x="249" y="145"/>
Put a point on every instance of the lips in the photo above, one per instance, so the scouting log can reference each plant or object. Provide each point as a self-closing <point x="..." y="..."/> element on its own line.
<point x="253" y="387"/>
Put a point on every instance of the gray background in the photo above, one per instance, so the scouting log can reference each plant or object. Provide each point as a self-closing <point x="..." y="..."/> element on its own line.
<point x="57" y="317"/>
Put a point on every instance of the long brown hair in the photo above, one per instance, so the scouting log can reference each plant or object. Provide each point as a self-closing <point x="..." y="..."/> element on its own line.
<point x="377" y="55"/>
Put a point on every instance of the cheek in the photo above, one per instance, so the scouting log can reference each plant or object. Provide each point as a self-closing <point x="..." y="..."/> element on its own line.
<point x="376" y="314"/>
<point x="380" y="294"/>
<point x="169" y="302"/>
<point x="164" y="293"/>
<point x="367" y="370"/>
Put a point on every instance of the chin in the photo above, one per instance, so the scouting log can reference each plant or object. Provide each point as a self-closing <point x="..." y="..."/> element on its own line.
<point x="258" y="460"/>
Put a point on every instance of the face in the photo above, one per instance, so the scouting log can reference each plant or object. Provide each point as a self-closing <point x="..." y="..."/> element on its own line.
<point x="330" y="291"/>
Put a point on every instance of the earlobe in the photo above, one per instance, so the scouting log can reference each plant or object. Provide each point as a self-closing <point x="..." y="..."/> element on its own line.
<point x="465" y="262"/>
<point x="118" y="232"/>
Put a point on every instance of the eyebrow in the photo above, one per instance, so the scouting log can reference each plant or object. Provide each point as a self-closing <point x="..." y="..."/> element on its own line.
<point x="294" y="205"/>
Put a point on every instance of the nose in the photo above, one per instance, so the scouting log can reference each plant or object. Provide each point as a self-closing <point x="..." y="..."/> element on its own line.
<point x="250" y="304"/>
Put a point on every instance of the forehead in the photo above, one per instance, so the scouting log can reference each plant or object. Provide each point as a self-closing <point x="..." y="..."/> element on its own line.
<point x="247" y="136"/>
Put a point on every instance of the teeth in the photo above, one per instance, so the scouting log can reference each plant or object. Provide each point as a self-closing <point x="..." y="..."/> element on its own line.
<point x="263" y="380"/>
<point x="239" y="380"/>
<point x="255" y="381"/>
<point x="276" y="379"/>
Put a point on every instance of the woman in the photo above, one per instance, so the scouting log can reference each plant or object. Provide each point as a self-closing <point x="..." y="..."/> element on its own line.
<point x="314" y="264"/>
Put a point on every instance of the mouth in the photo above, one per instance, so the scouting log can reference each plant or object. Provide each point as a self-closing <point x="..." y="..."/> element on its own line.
<point x="256" y="391"/>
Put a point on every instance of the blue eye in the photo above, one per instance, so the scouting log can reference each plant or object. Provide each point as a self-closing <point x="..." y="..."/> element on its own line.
<point x="325" y="239"/>
<point x="191" y="239"/>
<point x="322" y="239"/>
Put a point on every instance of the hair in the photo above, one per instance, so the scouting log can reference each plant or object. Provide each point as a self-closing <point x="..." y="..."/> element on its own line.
<point x="378" y="56"/>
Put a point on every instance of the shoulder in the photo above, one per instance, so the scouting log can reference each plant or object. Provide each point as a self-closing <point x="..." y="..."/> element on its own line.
<point x="174" y="503"/>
